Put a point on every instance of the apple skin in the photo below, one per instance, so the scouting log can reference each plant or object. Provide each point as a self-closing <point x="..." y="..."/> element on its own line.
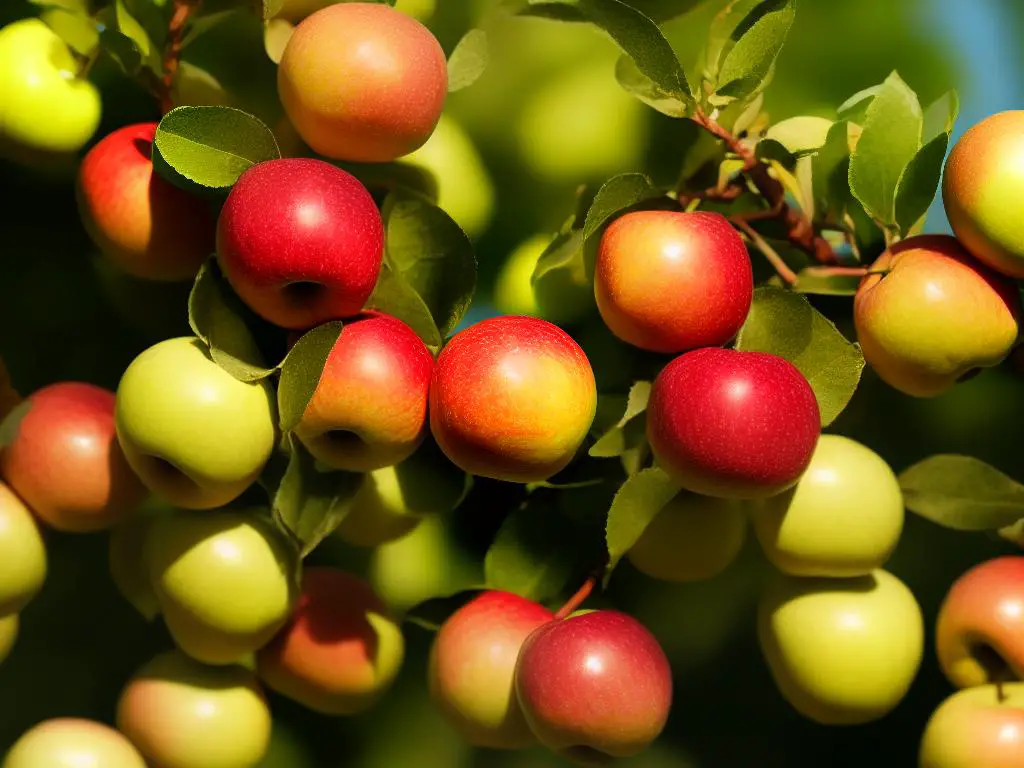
<point x="22" y="552"/>
<point x="71" y="742"/>
<point x="300" y="241"/>
<point x="9" y="625"/>
<point x="340" y="651"/>
<point x="223" y="580"/>
<point x="911" y="321"/>
<point x="193" y="433"/>
<point x="512" y="398"/>
<point x="148" y="227"/>
<point x="733" y="424"/>
<point x="594" y="686"/>
<point x="843" y="518"/>
<point x="692" y="538"/>
<point x="471" y="674"/>
<point x="66" y="463"/>
<point x="980" y="727"/>
<point x="369" y="409"/>
<point x="841" y="651"/>
<point x="669" y="282"/>
<point x="385" y="89"/>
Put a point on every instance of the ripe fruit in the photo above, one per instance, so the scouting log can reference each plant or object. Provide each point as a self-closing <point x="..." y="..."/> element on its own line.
<point x="692" y="538"/>
<point x="732" y="424"/>
<point x="22" y="553"/>
<point x="512" y="398"/>
<point x="8" y="634"/>
<point x="147" y="226"/>
<point x="340" y="651"/>
<point x="223" y="579"/>
<point x="70" y="742"/>
<point x="668" y="282"/>
<point x="980" y="727"/>
<point x="935" y="317"/>
<point x="65" y="461"/>
<point x="472" y="668"/>
<point x="363" y="82"/>
<point x="191" y="431"/>
<point x="594" y="686"/>
<point x="301" y="242"/>
<point x="982" y="179"/>
<point x="183" y="714"/>
<point x="369" y="409"/>
<point x="842" y="651"/>
<point x="843" y="518"/>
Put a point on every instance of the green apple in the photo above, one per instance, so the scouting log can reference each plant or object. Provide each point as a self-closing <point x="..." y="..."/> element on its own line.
<point x="22" y="553"/>
<point x="193" y="433"/>
<point x="981" y="727"/>
<point x="8" y="634"/>
<point x="127" y="564"/>
<point x="843" y="518"/>
<point x="68" y="742"/>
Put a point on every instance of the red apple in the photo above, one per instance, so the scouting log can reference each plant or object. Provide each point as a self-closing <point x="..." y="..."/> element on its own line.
<point x="147" y="226"/>
<point x="369" y="409"/>
<point x="733" y="424"/>
<point x="472" y="668"/>
<point x="512" y="398"/>
<point x="301" y="242"/>
<point x="66" y="462"/>
<point x="669" y="282"/>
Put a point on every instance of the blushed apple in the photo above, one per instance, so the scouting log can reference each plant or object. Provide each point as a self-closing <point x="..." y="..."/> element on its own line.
<point x="9" y="625"/>
<point x="980" y="727"/>
<point x="22" y="552"/>
<point x="71" y="742"/>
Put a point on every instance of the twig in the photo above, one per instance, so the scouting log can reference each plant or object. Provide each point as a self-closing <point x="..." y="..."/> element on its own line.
<point x="581" y="595"/>
<point x="787" y="274"/>
<point x="183" y="10"/>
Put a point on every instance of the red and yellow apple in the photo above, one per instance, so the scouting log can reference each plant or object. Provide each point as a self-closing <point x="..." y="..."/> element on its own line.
<point x="980" y="727"/>
<point x="22" y="552"/>
<point x="71" y="742"/>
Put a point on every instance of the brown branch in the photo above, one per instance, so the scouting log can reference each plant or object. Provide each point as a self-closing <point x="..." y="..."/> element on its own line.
<point x="787" y="274"/>
<point x="183" y="10"/>
<point x="581" y="595"/>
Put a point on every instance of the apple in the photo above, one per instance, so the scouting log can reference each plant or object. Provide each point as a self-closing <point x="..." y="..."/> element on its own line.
<point x="22" y="552"/>
<point x="472" y="668"/>
<point x="841" y="651"/>
<point x="301" y="241"/>
<point x="843" y="518"/>
<point x="512" y="398"/>
<point x="668" y="282"/>
<point x="223" y="580"/>
<point x="340" y="651"/>
<point x="148" y="227"/>
<point x="732" y="424"/>
<point x="369" y="409"/>
<point x="934" y="315"/>
<point x="193" y="433"/>
<point x="8" y="634"/>
<point x="692" y="538"/>
<point x="65" y="461"/>
<point x="71" y="742"/>
<point x="563" y="297"/>
<point x="363" y="82"/>
<point x="981" y="727"/>
<point x="594" y="686"/>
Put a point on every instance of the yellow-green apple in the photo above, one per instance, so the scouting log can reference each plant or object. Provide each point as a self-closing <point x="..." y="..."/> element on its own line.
<point x="192" y="432"/>
<point x="363" y="82"/>
<point x="933" y="314"/>
<point x="71" y="742"/>
<point x="980" y="727"/>
<point x="184" y="714"/>
<point x="8" y="634"/>
<point x="223" y="579"/>
<point x="668" y="282"/>
<point x="127" y="563"/>
<point x="148" y="227"/>
<point x="369" y="409"/>
<point x="594" y="686"/>
<point x="733" y="424"/>
<point x="65" y="461"/>
<point x="692" y="538"/>
<point x="841" y="651"/>
<point x="301" y="241"/>
<point x="22" y="552"/>
<point x="471" y="674"/>
<point x="844" y="518"/>
<point x="340" y="651"/>
<point x="563" y="296"/>
<point x="983" y="177"/>
<point x="512" y="398"/>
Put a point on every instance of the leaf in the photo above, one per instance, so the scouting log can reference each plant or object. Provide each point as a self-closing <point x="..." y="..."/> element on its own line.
<point x="646" y="90"/>
<point x="394" y="296"/>
<point x="919" y="182"/>
<point x="76" y="29"/>
<point x="940" y="116"/>
<point x="468" y="61"/>
<point x="962" y="493"/>
<point x="301" y="372"/>
<point x="276" y="34"/>
<point x="617" y="440"/>
<point x="12" y="422"/>
<point x="820" y="281"/>
<point x="801" y="135"/>
<point x="121" y="50"/>
<point x="637" y="502"/>
<point x="855" y="107"/>
<point x="830" y="173"/>
<point x="615" y="195"/>
<point x="783" y="323"/>
<point x="130" y="27"/>
<point x="212" y="145"/>
<point x="759" y="38"/>
<point x="399" y="176"/>
<point x="201" y="25"/>
<point x="432" y="613"/>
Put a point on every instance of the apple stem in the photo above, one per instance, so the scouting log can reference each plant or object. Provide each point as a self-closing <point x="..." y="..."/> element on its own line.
<point x="787" y="274"/>
<point x="578" y="599"/>
<point x="183" y="10"/>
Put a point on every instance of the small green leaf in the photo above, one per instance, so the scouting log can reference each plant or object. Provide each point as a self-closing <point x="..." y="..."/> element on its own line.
<point x="820" y="281"/>
<point x="200" y="25"/>
<point x="919" y="182"/>
<point x="130" y="27"/>
<point x="301" y="372"/>
<point x="962" y="493"/>
<point x="615" y="195"/>
<point x="12" y="422"/>
<point x="76" y="29"/>
<point x="769" y="150"/>
<point x="468" y="61"/>
<point x="121" y="50"/>
<point x="640" y="498"/>
<point x="940" y="116"/>
<point x="646" y="90"/>
<point x="855" y="107"/>
<point x="630" y="430"/>
<point x="830" y="173"/>
<point x="758" y="39"/>
<point x="802" y="135"/>
<point x="394" y="296"/>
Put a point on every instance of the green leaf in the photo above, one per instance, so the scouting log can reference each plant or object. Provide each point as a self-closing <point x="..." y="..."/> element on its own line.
<point x="769" y="150"/>
<point x="76" y="29"/>
<point x="747" y="65"/>
<point x="637" y="502"/>
<point x="820" y="281"/>
<point x="399" y="176"/>
<point x="940" y="116"/>
<point x="830" y="173"/>
<point x="615" y="195"/>
<point x="429" y="482"/>
<point x="855" y="107"/>
<point x="783" y="323"/>
<point x="646" y="90"/>
<point x="12" y="422"/>
<point x="962" y="493"/>
<point x="919" y="182"/>
<point x="468" y="61"/>
<point x="212" y="146"/>
<point x="199" y="26"/>
<point x="130" y="27"/>
<point x="120" y="48"/>
<point x="625" y="434"/>
<point x="802" y="135"/>
<point x="301" y="372"/>
<point x="394" y="296"/>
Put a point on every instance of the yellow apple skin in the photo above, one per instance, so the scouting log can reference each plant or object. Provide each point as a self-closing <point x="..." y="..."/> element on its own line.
<point x="843" y="518"/>
<point x="981" y="727"/>
<point x="22" y="553"/>
<point x="692" y="538"/>
<point x="842" y="651"/>
<point x="68" y="742"/>
<point x="8" y="634"/>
